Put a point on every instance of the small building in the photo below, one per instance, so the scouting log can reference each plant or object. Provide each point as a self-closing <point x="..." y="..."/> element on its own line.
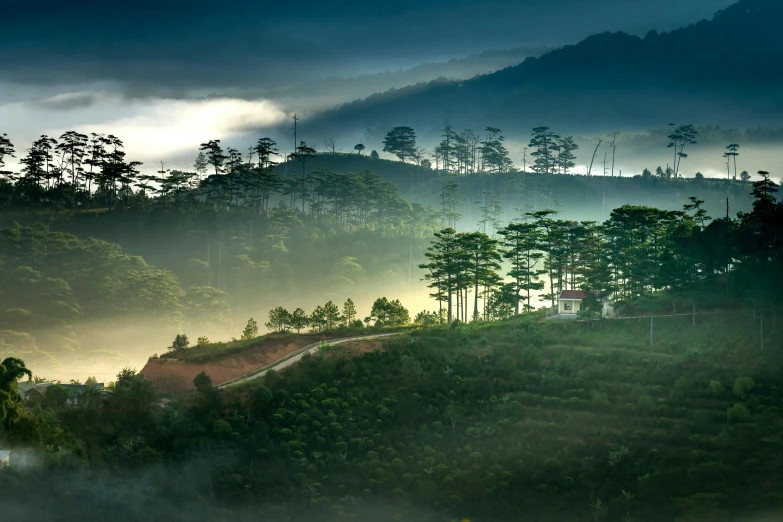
<point x="24" y="387"/>
<point x="570" y="302"/>
<point x="5" y="457"/>
<point x="74" y="391"/>
<point x="37" y="390"/>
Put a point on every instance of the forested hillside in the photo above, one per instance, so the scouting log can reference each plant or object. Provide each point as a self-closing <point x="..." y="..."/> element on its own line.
<point x="552" y="421"/>
<point x="614" y="80"/>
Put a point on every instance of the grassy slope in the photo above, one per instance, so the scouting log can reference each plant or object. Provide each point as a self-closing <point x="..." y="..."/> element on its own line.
<point x="554" y="416"/>
<point x="213" y="351"/>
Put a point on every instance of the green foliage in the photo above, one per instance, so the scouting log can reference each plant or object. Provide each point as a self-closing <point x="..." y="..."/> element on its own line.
<point x="390" y="313"/>
<point x="251" y="329"/>
<point x="279" y="319"/>
<point x="645" y="404"/>
<point x="743" y="386"/>
<point x="737" y="413"/>
<point x="715" y="387"/>
<point x="180" y="343"/>
<point x="11" y="370"/>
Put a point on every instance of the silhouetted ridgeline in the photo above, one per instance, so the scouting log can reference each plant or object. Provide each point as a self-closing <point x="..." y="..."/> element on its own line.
<point x="610" y="80"/>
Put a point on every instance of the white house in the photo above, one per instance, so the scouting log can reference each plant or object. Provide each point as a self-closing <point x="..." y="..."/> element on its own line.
<point x="570" y="302"/>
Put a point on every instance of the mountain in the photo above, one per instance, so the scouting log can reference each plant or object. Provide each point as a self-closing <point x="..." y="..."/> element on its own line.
<point x="719" y="71"/>
<point x="328" y="92"/>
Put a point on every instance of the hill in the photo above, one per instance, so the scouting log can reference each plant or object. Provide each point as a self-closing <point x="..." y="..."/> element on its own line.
<point x="575" y="196"/>
<point x="522" y="419"/>
<point x="607" y="81"/>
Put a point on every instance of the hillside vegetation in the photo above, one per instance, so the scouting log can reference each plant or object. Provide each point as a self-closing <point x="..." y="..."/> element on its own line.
<point x="522" y="418"/>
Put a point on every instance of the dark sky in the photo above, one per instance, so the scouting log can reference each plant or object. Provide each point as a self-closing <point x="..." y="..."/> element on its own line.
<point x="181" y="44"/>
<point x="141" y="68"/>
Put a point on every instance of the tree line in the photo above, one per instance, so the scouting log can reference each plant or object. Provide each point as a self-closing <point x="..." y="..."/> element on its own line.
<point x="78" y="171"/>
<point x="384" y="312"/>
<point x="638" y="251"/>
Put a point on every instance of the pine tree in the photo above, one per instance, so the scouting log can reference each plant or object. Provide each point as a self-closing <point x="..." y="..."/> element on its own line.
<point x="349" y="312"/>
<point x="521" y="243"/>
<point x="565" y="154"/>
<point x="215" y="155"/>
<point x="545" y="143"/>
<point x="443" y="267"/>
<point x="331" y="315"/>
<point x="298" y="320"/>
<point x="401" y="141"/>
<point x="251" y="330"/>
<point x="279" y="319"/>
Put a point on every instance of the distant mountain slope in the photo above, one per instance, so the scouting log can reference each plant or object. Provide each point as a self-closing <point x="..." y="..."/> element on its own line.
<point x="723" y="71"/>
<point x="328" y="92"/>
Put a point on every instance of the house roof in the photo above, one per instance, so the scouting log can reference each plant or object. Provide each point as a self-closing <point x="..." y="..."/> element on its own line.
<point x="572" y="294"/>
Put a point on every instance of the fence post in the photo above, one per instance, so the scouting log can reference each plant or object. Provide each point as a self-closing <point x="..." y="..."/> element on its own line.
<point x="651" y="330"/>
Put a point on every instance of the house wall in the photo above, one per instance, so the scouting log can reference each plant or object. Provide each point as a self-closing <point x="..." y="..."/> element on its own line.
<point x="563" y="304"/>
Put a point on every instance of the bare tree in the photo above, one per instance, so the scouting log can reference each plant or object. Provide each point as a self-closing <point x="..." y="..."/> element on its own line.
<point x="331" y="145"/>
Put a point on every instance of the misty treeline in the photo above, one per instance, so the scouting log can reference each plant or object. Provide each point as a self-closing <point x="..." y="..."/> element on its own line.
<point x="219" y="246"/>
<point x="384" y="312"/>
<point x="83" y="172"/>
<point x="638" y="251"/>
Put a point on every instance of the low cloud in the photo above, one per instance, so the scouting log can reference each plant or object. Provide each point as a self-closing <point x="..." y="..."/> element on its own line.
<point x="151" y="128"/>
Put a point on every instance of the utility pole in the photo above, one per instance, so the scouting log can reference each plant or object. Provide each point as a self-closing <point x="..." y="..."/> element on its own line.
<point x="694" y="315"/>
<point x="728" y="260"/>
<point x="524" y="160"/>
<point x="296" y="143"/>
<point x="614" y="139"/>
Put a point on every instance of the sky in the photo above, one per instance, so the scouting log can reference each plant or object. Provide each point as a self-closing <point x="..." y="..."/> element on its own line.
<point x="143" y="69"/>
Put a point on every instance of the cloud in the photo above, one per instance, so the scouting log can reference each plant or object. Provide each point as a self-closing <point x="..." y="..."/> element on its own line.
<point x="151" y="128"/>
<point x="67" y="101"/>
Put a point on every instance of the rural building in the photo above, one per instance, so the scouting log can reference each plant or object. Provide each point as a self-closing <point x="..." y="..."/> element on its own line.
<point x="570" y="302"/>
<point x="24" y="387"/>
<point x="37" y="390"/>
<point x="5" y="457"/>
<point x="74" y="390"/>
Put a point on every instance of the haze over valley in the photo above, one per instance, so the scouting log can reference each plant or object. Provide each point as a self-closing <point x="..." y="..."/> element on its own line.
<point x="429" y="261"/>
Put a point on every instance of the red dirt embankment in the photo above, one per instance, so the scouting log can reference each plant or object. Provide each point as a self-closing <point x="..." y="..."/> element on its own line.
<point x="172" y="375"/>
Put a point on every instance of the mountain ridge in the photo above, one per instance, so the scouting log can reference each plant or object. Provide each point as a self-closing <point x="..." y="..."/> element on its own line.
<point x="620" y="80"/>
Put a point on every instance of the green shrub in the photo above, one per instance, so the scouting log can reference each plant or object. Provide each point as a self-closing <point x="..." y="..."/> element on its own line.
<point x="743" y="386"/>
<point x="599" y="399"/>
<point x="738" y="413"/>
<point x="715" y="387"/>
<point x="645" y="404"/>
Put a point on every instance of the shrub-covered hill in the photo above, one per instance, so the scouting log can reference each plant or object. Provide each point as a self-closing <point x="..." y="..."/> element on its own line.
<point x="523" y="419"/>
<point x="575" y="196"/>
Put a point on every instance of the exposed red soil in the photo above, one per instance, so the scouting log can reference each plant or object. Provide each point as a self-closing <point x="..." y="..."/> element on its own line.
<point x="172" y="375"/>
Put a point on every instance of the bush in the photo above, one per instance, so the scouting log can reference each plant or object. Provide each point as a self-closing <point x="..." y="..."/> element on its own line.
<point x="180" y="343"/>
<point x="715" y="387"/>
<point x="743" y="386"/>
<point x="600" y="399"/>
<point x="738" y="413"/>
<point x="645" y="404"/>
